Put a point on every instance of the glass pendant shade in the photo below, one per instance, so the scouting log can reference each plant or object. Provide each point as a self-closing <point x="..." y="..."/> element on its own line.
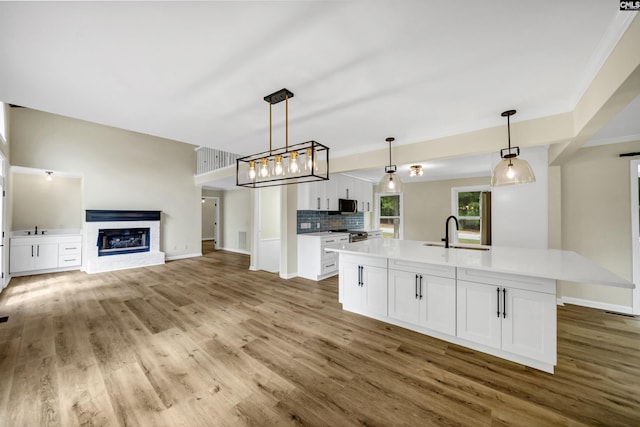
<point x="390" y="183"/>
<point x="512" y="171"/>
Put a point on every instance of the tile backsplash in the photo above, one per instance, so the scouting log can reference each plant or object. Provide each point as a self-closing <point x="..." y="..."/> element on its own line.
<point x="328" y="222"/>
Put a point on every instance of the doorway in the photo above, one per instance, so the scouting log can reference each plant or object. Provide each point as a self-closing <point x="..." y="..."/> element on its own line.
<point x="210" y="224"/>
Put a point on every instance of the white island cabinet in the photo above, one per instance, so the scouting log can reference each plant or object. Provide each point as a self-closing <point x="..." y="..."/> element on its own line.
<point x="44" y="254"/>
<point x="500" y="301"/>
<point x="423" y="295"/>
<point x="512" y="313"/>
<point x="363" y="284"/>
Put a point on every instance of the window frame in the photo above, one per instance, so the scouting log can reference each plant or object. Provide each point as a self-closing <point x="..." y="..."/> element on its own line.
<point x="399" y="217"/>
<point x="454" y="205"/>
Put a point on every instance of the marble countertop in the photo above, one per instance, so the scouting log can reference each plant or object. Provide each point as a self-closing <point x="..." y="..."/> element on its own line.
<point x="547" y="263"/>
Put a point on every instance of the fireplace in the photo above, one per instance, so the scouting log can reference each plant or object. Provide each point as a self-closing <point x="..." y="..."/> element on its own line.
<point x="117" y="241"/>
<point x="120" y="239"/>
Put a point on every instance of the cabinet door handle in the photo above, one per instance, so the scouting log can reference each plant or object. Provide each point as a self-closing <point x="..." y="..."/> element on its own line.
<point x="38" y="251"/>
<point x="359" y="275"/>
<point x="318" y="203"/>
<point x="327" y="203"/>
<point x="498" y="301"/>
<point x="416" y="286"/>
<point x="421" y="286"/>
<point x="31" y="251"/>
<point x="504" y="303"/>
<point x="347" y="193"/>
<point x="368" y="207"/>
<point x="330" y="241"/>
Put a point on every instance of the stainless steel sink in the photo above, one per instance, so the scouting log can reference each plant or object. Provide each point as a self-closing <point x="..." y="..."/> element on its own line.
<point x="473" y="248"/>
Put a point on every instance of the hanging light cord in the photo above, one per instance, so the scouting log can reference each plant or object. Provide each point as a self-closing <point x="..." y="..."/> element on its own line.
<point x="389" y="153"/>
<point x="286" y="122"/>
<point x="270" y="128"/>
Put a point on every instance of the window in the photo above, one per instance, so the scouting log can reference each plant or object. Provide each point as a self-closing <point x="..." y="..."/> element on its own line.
<point x="473" y="217"/>
<point x="390" y="215"/>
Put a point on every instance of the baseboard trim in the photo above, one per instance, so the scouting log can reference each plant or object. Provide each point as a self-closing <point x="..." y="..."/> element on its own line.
<point x="175" y="257"/>
<point x="288" y="276"/>
<point x="208" y="238"/>
<point x="238" y="251"/>
<point x="599" y="305"/>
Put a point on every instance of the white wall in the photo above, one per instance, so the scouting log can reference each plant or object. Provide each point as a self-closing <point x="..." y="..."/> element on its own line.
<point x="519" y="213"/>
<point x="121" y="169"/>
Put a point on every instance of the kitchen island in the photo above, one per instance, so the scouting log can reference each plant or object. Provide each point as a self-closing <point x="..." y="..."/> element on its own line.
<point x="500" y="301"/>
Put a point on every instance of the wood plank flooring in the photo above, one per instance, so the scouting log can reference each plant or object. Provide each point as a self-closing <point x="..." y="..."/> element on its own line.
<point x="206" y="342"/>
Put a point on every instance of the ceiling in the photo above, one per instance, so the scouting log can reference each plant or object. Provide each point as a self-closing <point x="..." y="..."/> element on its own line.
<point x="361" y="71"/>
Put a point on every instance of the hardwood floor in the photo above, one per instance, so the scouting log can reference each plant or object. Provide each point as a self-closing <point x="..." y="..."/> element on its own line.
<point x="205" y="342"/>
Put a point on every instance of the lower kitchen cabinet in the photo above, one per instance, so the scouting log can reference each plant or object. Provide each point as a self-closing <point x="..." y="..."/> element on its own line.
<point x="30" y="255"/>
<point x="363" y="284"/>
<point x="507" y="314"/>
<point x="314" y="262"/>
<point x="423" y="295"/>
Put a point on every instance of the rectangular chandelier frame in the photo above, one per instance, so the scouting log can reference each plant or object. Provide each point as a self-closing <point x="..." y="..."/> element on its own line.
<point x="291" y="164"/>
<point x="313" y="165"/>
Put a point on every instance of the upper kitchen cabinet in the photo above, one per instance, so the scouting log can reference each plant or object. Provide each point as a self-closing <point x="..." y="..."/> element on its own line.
<point x="324" y="195"/>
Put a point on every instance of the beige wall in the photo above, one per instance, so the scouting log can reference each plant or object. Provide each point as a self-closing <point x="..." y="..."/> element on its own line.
<point x="121" y="169"/>
<point x="55" y="204"/>
<point x="428" y="204"/>
<point x="596" y="217"/>
<point x="269" y="213"/>
<point x="236" y="217"/>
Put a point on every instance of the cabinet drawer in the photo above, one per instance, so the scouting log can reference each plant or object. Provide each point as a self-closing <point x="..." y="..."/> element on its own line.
<point x="334" y="240"/>
<point x="71" y="260"/>
<point x="69" y="248"/>
<point x="330" y="266"/>
<point x="329" y="256"/>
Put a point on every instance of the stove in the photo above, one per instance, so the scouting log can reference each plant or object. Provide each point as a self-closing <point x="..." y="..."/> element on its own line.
<point x="354" y="235"/>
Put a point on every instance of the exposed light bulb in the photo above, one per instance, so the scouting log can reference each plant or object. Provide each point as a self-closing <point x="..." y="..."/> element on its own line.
<point x="264" y="170"/>
<point x="309" y="162"/>
<point x="294" y="167"/>
<point x="49" y="177"/>
<point x="278" y="169"/>
<point x="252" y="170"/>
<point x="510" y="172"/>
<point x="392" y="185"/>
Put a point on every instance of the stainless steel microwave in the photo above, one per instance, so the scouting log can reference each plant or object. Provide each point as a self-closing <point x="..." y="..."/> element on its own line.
<point x="347" y="206"/>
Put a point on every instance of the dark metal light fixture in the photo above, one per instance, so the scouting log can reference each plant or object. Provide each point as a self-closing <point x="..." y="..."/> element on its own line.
<point x="511" y="170"/>
<point x="304" y="162"/>
<point x="390" y="182"/>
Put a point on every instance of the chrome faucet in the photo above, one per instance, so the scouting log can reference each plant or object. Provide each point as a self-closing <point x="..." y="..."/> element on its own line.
<point x="446" y="230"/>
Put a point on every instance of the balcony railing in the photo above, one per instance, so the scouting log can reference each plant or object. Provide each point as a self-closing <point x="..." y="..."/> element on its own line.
<point x="210" y="159"/>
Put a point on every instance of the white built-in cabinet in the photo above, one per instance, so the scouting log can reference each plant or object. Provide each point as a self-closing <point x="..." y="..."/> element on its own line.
<point x="37" y="254"/>
<point x="423" y="295"/>
<point x="363" y="284"/>
<point x="512" y="313"/>
<point x="324" y="195"/>
<point x="314" y="262"/>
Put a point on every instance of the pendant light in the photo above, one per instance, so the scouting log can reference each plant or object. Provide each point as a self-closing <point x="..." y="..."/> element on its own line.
<point x="511" y="170"/>
<point x="390" y="182"/>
